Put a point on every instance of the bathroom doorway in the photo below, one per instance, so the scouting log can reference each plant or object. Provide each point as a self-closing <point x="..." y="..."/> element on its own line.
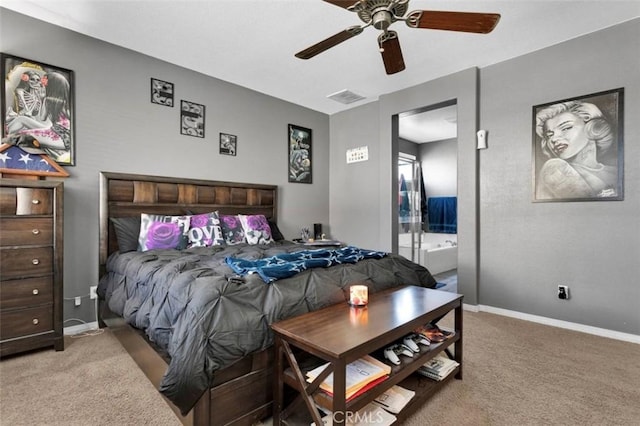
<point x="427" y="209"/>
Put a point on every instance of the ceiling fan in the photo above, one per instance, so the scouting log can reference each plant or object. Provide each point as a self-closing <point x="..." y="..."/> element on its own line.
<point x="382" y="13"/>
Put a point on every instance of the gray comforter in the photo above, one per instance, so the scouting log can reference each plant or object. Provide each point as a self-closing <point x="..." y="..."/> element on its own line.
<point x="191" y="304"/>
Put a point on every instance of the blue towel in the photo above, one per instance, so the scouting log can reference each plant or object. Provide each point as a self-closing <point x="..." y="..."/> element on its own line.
<point x="443" y="214"/>
<point x="286" y="265"/>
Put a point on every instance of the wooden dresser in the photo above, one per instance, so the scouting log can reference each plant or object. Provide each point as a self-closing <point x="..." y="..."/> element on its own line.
<point x="31" y="265"/>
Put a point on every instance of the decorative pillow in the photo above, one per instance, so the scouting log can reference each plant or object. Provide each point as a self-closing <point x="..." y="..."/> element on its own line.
<point x="256" y="229"/>
<point x="275" y="231"/>
<point x="205" y="230"/>
<point x="232" y="230"/>
<point x="127" y="231"/>
<point x="163" y="232"/>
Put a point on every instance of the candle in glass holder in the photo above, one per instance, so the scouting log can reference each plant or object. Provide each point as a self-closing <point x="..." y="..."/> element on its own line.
<point x="358" y="295"/>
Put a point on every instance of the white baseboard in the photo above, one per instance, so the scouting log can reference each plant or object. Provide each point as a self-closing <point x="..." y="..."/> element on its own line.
<point x="602" y="332"/>
<point x="81" y="328"/>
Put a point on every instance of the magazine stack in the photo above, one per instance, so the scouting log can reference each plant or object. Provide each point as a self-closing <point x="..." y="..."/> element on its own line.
<point x="438" y="367"/>
<point x="394" y="399"/>
<point x="371" y="414"/>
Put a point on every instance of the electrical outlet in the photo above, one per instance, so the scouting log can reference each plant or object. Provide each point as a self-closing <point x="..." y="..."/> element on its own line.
<point x="78" y="300"/>
<point x="563" y="292"/>
<point x="93" y="292"/>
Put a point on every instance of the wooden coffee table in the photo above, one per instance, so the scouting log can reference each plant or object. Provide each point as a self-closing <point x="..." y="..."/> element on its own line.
<point x="340" y="334"/>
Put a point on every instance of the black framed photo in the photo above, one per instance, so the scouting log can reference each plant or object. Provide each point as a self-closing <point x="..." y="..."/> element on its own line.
<point x="228" y="144"/>
<point x="192" y="119"/>
<point x="578" y="148"/>
<point x="161" y="92"/>
<point x="300" y="162"/>
<point x="38" y="108"/>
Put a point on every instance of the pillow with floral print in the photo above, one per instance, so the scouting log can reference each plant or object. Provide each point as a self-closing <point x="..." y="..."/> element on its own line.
<point x="163" y="232"/>
<point x="205" y="230"/>
<point x="256" y="229"/>
<point x="232" y="230"/>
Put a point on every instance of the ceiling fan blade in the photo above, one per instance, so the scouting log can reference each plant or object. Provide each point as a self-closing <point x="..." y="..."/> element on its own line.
<point x="343" y="3"/>
<point x="328" y="43"/>
<point x="391" y="52"/>
<point x="453" y="21"/>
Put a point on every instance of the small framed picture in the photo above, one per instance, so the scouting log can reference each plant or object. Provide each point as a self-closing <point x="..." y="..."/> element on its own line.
<point x="161" y="92"/>
<point x="299" y="144"/>
<point x="192" y="119"/>
<point x="228" y="144"/>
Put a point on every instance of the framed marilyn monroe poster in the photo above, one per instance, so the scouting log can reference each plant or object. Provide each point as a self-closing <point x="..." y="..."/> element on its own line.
<point x="578" y="148"/>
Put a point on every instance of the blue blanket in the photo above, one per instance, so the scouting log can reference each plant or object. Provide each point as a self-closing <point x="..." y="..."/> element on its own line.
<point x="286" y="265"/>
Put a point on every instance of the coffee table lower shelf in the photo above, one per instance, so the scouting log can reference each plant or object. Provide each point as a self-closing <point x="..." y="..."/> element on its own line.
<point x="424" y="388"/>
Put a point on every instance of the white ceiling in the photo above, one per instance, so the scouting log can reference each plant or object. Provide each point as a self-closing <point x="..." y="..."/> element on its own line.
<point x="429" y="126"/>
<point x="252" y="42"/>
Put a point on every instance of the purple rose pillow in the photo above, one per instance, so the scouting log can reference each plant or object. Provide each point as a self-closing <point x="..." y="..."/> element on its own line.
<point x="162" y="232"/>
<point x="205" y="230"/>
<point x="232" y="230"/>
<point x="256" y="229"/>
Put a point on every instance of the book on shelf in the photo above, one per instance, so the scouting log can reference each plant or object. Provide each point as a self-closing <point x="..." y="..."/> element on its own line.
<point x="370" y="414"/>
<point x="327" y="404"/>
<point x="359" y="374"/>
<point x="438" y="367"/>
<point x="394" y="399"/>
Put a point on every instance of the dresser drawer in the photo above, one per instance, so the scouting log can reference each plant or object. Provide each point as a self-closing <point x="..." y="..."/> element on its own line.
<point x="25" y="262"/>
<point x="26" y="201"/>
<point x="24" y="322"/>
<point x="25" y="231"/>
<point x="25" y="293"/>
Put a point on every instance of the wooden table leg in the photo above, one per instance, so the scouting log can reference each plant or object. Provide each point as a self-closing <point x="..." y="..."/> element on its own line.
<point x="458" y="344"/>
<point x="339" y="392"/>
<point x="278" y="383"/>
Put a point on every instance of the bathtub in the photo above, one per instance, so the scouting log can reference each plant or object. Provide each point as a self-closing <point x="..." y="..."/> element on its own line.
<point x="438" y="252"/>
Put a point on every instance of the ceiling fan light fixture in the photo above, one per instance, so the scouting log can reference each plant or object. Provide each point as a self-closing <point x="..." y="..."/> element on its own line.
<point x="381" y="20"/>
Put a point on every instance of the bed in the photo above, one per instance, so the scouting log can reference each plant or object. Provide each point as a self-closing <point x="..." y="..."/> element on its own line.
<point x="197" y="327"/>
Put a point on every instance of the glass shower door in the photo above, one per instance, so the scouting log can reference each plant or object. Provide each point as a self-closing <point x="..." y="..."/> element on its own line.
<point x="409" y="211"/>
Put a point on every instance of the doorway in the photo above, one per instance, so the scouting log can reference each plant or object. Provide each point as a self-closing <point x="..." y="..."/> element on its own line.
<point x="427" y="202"/>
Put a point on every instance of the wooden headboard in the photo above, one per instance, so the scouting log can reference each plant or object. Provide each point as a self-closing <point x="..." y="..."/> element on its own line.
<point x="123" y="195"/>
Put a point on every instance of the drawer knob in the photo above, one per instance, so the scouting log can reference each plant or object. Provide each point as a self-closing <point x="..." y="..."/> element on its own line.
<point x="35" y="291"/>
<point x="35" y="321"/>
<point x="35" y="201"/>
<point x="35" y="261"/>
<point x="35" y="231"/>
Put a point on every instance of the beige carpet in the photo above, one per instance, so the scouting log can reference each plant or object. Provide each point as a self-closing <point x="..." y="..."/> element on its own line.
<point x="92" y="382"/>
<point x="515" y="373"/>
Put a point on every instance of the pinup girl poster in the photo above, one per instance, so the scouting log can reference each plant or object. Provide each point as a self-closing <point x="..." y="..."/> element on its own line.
<point x="37" y="108"/>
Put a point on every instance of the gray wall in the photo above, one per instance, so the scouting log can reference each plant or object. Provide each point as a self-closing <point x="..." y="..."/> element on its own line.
<point x="354" y="188"/>
<point x="118" y="129"/>
<point x="525" y="249"/>
<point x="370" y="221"/>
<point x="439" y="162"/>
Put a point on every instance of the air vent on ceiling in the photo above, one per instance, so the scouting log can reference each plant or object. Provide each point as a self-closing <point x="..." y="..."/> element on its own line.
<point x="345" y="97"/>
